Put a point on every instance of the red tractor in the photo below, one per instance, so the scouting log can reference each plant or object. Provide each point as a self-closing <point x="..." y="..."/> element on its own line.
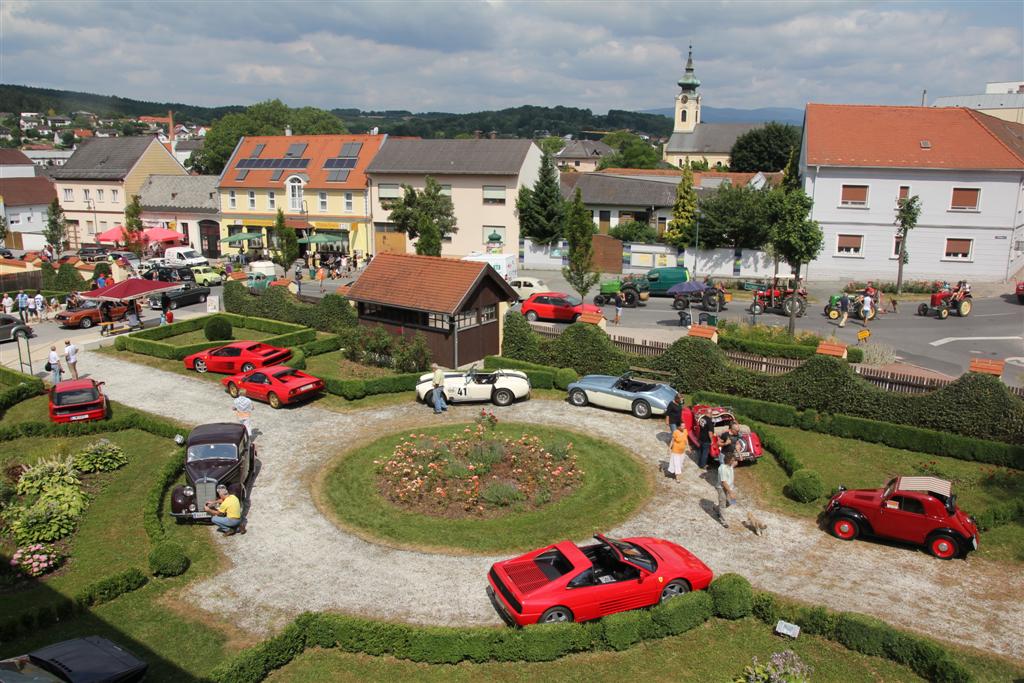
<point x="943" y="302"/>
<point x="780" y="297"/>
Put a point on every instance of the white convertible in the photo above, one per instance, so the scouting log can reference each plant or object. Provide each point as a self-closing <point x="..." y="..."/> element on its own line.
<point x="501" y="387"/>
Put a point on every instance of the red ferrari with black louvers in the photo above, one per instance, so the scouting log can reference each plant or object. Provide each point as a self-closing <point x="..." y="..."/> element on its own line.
<point x="278" y="385"/>
<point x="564" y="582"/>
<point x="240" y="356"/>
<point x="77" y="400"/>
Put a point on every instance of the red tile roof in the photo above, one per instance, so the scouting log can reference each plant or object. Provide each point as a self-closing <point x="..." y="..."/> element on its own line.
<point x="27" y="191"/>
<point x="319" y="148"/>
<point x="422" y="283"/>
<point x="906" y="137"/>
<point x="13" y="157"/>
<point x="83" y="132"/>
<point x="736" y="178"/>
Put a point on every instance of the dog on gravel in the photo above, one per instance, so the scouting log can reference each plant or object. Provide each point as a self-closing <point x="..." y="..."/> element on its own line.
<point x="756" y="524"/>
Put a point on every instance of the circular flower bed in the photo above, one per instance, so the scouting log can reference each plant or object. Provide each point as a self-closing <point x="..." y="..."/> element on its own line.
<point x="529" y="486"/>
<point x="477" y="473"/>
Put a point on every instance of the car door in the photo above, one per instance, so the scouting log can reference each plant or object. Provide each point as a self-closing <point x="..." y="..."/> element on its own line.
<point x="561" y="310"/>
<point x="903" y="517"/>
<point x="589" y="599"/>
<point x="6" y="327"/>
<point x="257" y="384"/>
<point x="479" y="389"/>
<point x="619" y="398"/>
<point x="224" y="359"/>
<point x="455" y="387"/>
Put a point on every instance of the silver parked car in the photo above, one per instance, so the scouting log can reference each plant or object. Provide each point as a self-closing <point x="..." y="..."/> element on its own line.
<point x="11" y="327"/>
<point x="640" y="397"/>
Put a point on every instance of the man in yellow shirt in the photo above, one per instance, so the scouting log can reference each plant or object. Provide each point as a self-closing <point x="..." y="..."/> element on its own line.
<point x="226" y="511"/>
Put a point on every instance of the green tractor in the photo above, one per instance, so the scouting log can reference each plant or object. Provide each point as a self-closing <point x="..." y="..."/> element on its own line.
<point x="633" y="290"/>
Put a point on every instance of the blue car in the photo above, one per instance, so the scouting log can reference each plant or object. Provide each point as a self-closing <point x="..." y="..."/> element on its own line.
<point x="640" y="397"/>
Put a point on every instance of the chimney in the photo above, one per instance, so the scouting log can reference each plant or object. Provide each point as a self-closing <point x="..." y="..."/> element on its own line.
<point x="170" y="130"/>
<point x="493" y="135"/>
<point x="288" y="131"/>
<point x="477" y="134"/>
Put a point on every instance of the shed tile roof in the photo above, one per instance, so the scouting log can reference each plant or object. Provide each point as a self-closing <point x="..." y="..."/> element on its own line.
<point x="597" y="188"/>
<point x="447" y="157"/>
<point x="709" y="138"/>
<point x="13" y="157"/>
<point x="27" y="191"/>
<point x="319" y="148"/>
<point x="186" y="145"/>
<point x="422" y="283"/>
<point x="891" y="137"/>
<point x="584" y="149"/>
<point x="104" y="158"/>
<point x="180" y="192"/>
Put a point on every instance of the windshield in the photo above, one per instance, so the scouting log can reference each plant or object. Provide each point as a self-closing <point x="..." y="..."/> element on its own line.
<point x="75" y="396"/>
<point x="633" y="553"/>
<point x="86" y="304"/>
<point x="188" y="254"/>
<point x="890" y="488"/>
<point x="212" y="451"/>
<point x="573" y="301"/>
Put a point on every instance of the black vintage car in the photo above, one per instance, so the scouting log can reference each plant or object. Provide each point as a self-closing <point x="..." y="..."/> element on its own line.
<point x="188" y="293"/>
<point x="93" y="659"/>
<point x="170" y="274"/>
<point x="218" y="453"/>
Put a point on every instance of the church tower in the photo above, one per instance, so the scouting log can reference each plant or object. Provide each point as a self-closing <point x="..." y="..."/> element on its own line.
<point x="688" y="100"/>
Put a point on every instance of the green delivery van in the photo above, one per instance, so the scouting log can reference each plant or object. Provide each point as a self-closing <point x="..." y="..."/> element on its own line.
<point x="660" y="279"/>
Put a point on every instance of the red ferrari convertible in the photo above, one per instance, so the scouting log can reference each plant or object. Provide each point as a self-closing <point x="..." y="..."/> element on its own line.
<point x="240" y="356"/>
<point x="77" y="400"/>
<point x="278" y="385"/>
<point x="564" y="582"/>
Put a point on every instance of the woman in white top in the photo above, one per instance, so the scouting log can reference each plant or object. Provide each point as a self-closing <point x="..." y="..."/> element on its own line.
<point x="55" y="368"/>
<point x="8" y="303"/>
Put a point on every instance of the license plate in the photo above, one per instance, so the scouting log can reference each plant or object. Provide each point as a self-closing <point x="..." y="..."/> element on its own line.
<point x="79" y="417"/>
<point x="306" y="388"/>
<point x="200" y="515"/>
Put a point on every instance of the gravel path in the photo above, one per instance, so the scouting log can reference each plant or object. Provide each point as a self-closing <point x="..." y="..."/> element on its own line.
<point x="293" y="559"/>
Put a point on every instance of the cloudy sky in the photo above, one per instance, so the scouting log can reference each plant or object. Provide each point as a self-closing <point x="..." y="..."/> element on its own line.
<point x="469" y="56"/>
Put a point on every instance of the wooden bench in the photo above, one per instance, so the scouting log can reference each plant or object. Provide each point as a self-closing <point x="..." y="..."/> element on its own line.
<point x="704" y="332"/>
<point x="114" y="327"/>
<point x="830" y="349"/>
<point x="237" y="275"/>
<point x="987" y="366"/>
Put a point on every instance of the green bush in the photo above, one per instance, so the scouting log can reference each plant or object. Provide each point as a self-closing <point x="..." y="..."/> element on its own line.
<point x="500" y="493"/>
<point x="588" y="350"/>
<point x="411" y="355"/>
<point x="68" y="279"/>
<point x="805" y="486"/>
<point x="685" y="612"/>
<point x="217" y="328"/>
<point x="49" y="276"/>
<point x="519" y="341"/>
<point x="564" y="377"/>
<point x="111" y="587"/>
<point x="322" y="346"/>
<point x="332" y="314"/>
<point x="48" y="473"/>
<point x="168" y="559"/>
<point x="773" y="413"/>
<point x="298" y="359"/>
<point x="732" y="596"/>
<point x="40" y="522"/>
<point x="100" y="456"/>
<point x="998" y="515"/>
<point x="624" y="629"/>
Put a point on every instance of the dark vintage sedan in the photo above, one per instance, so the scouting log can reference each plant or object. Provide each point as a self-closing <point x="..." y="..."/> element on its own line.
<point x="170" y="274"/>
<point x="189" y="293"/>
<point x="93" y="659"/>
<point x="217" y="453"/>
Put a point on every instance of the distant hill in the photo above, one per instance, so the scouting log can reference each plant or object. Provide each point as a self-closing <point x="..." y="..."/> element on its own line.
<point x="19" y="98"/>
<point x="729" y="115"/>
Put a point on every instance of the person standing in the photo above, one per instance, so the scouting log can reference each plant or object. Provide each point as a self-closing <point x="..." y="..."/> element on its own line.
<point x="438" y="384"/>
<point x="8" y="303"/>
<point x="101" y="281"/>
<point x="865" y="309"/>
<point x="618" y="308"/>
<point x="705" y="433"/>
<point x="674" y="415"/>
<point x="242" y="406"/>
<point x="22" y="305"/>
<point x="40" y="302"/>
<point x="844" y="309"/>
<point x="54" y="365"/>
<point x="321" y="275"/>
<point x="726" y="487"/>
<point x="226" y="512"/>
<point x="71" y="357"/>
<point x="31" y="303"/>
<point x="298" y="278"/>
<point x="344" y="264"/>
<point x="677" y="452"/>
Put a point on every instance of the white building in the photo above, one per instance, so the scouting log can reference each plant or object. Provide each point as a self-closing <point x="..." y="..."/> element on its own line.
<point x="14" y="164"/>
<point x="966" y="167"/>
<point x="49" y="157"/>
<point x="24" y="202"/>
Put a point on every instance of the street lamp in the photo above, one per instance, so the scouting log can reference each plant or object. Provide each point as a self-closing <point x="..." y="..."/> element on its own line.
<point x="90" y="204"/>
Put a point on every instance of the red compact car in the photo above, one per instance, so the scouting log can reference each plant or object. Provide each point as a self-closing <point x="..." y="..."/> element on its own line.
<point x="563" y="582"/>
<point x="278" y="385"/>
<point x="918" y="510"/>
<point x="1020" y="292"/>
<point x="556" y="306"/>
<point x="240" y="356"/>
<point x="78" y="400"/>
<point x="748" y="445"/>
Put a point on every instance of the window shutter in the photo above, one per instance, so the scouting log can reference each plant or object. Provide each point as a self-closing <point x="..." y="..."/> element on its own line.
<point x="494" y="191"/>
<point x="904" y="191"/>
<point x="850" y="241"/>
<point x="958" y="247"/>
<point x="896" y="243"/>
<point x="965" y="198"/>
<point x="389" y="191"/>
<point x="855" y="194"/>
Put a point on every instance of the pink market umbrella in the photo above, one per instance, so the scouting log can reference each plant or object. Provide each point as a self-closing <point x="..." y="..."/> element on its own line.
<point x="161" y="235"/>
<point x="132" y="288"/>
<point x="115" y="235"/>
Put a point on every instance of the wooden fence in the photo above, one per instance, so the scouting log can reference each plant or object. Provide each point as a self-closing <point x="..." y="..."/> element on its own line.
<point x="883" y="379"/>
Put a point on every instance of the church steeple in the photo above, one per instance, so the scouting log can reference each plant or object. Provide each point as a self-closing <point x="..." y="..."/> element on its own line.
<point x="689" y="82"/>
<point x="688" y="100"/>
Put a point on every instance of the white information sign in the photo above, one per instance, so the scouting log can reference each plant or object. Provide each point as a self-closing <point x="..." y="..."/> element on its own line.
<point x="213" y="304"/>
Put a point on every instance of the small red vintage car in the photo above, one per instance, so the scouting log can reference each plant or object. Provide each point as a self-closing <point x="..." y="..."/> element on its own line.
<point x="748" y="445"/>
<point x="278" y="385"/>
<point x="564" y="582"/>
<point x="919" y="510"/>
<point x="78" y="400"/>
<point x="1020" y="292"/>
<point x="239" y="356"/>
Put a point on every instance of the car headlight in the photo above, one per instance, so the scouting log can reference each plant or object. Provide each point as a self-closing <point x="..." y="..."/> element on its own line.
<point x="192" y="507"/>
<point x="189" y="491"/>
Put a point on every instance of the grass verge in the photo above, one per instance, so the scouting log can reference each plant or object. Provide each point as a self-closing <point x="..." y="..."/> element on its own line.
<point x="199" y="337"/>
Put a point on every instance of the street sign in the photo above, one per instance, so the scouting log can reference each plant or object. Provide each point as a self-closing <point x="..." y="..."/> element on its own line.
<point x="213" y="304"/>
<point x="863" y="335"/>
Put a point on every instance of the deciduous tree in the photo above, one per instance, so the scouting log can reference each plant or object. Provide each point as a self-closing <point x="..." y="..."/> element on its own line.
<point x="3" y="230"/>
<point x="56" y="230"/>
<point x="733" y="216"/>
<point x="579" y="232"/>
<point x="634" y="231"/>
<point x="793" y="235"/>
<point x="632" y="152"/>
<point x="908" y="209"/>
<point x="541" y="208"/>
<point x="684" y="212"/>
<point x="764" y="149"/>
<point x="285" y="245"/>
<point x="133" y="225"/>
<point x="551" y="145"/>
<point x="426" y="216"/>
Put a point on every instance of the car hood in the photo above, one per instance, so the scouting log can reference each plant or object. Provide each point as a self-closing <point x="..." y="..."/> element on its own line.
<point x="90" y="660"/>
<point x="214" y="469"/>
<point x="671" y="553"/>
<point x="862" y="496"/>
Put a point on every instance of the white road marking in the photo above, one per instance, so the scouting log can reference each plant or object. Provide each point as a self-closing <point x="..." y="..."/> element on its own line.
<point x="992" y="315"/>
<point x="946" y="340"/>
<point x="1016" y="360"/>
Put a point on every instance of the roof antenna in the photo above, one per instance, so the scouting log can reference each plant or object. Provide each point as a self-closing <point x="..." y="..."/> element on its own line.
<point x="924" y="94"/>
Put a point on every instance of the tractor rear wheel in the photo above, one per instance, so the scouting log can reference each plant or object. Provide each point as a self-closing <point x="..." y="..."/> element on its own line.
<point x="599" y="300"/>
<point x="963" y="308"/>
<point x="630" y="297"/>
<point x="794" y="301"/>
<point x="922" y="309"/>
<point x="712" y="301"/>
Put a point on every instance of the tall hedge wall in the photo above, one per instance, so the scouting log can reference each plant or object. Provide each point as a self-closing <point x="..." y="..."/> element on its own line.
<point x="334" y="313"/>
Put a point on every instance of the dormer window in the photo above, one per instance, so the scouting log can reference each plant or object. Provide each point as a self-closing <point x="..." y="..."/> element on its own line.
<point x="295" y="193"/>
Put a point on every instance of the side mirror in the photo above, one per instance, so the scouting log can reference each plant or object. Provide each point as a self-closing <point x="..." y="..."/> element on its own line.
<point x="640" y="579"/>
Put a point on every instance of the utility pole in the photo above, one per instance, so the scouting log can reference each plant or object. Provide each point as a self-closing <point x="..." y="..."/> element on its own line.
<point x="924" y="94"/>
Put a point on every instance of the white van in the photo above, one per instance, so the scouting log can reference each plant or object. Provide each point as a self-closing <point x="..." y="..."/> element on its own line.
<point x="185" y="257"/>
<point x="507" y="265"/>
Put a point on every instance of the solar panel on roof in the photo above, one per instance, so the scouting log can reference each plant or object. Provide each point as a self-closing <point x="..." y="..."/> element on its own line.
<point x="340" y="163"/>
<point x="241" y="175"/>
<point x="266" y="163"/>
<point x="276" y="175"/>
<point x="296" y="150"/>
<point x="337" y="176"/>
<point x="257" y="150"/>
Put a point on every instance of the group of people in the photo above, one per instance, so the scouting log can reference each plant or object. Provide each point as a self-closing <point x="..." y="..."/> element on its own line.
<point x="870" y="300"/>
<point x="30" y="307"/>
<point x="696" y="436"/>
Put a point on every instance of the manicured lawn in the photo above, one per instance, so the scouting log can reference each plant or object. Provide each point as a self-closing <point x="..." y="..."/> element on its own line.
<point x="858" y="464"/>
<point x="198" y="337"/>
<point x="349" y="492"/>
<point x="334" y="364"/>
<point x="35" y="409"/>
<point x="717" y="651"/>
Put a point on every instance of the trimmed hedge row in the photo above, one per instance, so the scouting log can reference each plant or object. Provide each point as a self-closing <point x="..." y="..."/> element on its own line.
<point x="117" y="424"/>
<point x="773" y="350"/>
<point x="148" y="342"/>
<point x="151" y="518"/>
<point x="353" y="389"/>
<point x="96" y="593"/>
<point x="16" y="387"/>
<point x="333" y="313"/>
<point x="866" y="635"/>
<point x="874" y="431"/>
<point x="540" y="376"/>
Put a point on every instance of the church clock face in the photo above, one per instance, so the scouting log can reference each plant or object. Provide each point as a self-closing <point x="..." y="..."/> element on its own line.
<point x="686" y="99"/>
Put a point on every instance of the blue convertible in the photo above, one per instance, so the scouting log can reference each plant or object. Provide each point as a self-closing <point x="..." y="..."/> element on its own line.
<point x="642" y="398"/>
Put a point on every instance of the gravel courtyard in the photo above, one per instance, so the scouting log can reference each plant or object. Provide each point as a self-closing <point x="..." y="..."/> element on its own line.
<point x="293" y="559"/>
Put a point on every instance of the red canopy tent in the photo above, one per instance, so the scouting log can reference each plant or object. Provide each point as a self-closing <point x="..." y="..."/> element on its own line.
<point x="161" y="235"/>
<point x="115" y="235"/>
<point x="132" y="288"/>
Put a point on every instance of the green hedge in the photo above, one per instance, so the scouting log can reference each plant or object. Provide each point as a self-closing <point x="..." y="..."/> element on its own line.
<point x="149" y="342"/>
<point x="732" y="596"/>
<point x="353" y="389"/>
<point x="151" y="517"/>
<point x="322" y="346"/>
<point x="16" y="387"/>
<point x="540" y="376"/>
<point x="333" y="313"/>
<point x="875" y="431"/>
<point x="773" y="350"/>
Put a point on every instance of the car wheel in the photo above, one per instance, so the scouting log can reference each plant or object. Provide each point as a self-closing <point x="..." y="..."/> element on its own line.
<point x="833" y="313"/>
<point x="943" y="546"/>
<point x="963" y="308"/>
<point x="173" y="305"/>
<point x="599" y="300"/>
<point x="576" y="318"/>
<point x="233" y="389"/>
<point x="531" y="316"/>
<point x="86" y="323"/>
<point x="641" y="409"/>
<point x="556" y="615"/>
<point x="503" y="397"/>
<point x="845" y="529"/>
<point x="756" y="308"/>
<point x="674" y="589"/>
<point x="630" y="297"/>
<point x="678" y="304"/>
<point x="922" y="309"/>
<point x="273" y="400"/>
<point x="578" y="398"/>
<point x="248" y="367"/>
<point x="202" y="298"/>
<point x="943" y="313"/>
<point x="199" y="365"/>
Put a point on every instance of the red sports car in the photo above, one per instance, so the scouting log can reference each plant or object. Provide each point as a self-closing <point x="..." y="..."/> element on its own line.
<point x="240" y="356"/>
<point x="278" y="385"/>
<point x="748" y="445"/>
<point x="78" y="400"/>
<point x="563" y="582"/>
